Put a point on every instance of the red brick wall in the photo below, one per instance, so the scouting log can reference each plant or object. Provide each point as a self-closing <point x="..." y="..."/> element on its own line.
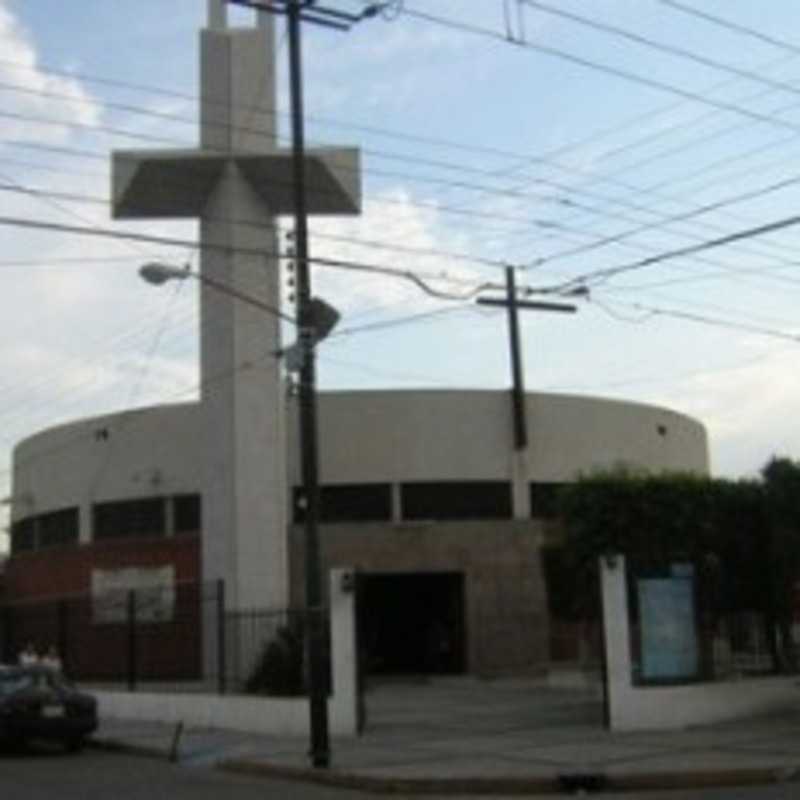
<point x="49" y="603"/>
<point x="62" y="572"/>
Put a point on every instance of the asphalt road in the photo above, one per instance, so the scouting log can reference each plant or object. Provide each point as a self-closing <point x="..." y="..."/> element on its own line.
<point x="98" y="775"/>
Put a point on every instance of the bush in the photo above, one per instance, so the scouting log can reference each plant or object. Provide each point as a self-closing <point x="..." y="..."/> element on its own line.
<point x="279" y="669"/>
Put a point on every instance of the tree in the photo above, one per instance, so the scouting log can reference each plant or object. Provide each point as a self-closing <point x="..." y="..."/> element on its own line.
<point x="782" y="549"/>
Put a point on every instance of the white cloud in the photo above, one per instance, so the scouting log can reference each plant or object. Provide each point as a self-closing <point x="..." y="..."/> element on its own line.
<point x="407" y="237"/>
<point x="36" y="93"/>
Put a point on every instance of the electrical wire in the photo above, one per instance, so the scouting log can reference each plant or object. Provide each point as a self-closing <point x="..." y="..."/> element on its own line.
<point x="602" y="275"/>
<point x="656" y="311"/>
<point x="608" y="69"/>
<point x="585" y="247"/>
<point x="782" y="44"/>
<point x="255" y="252"/>
<point x="672" y="50"/>
<point x="468" y="186"/>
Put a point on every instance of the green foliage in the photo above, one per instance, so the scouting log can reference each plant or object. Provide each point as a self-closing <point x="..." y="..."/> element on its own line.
<point x="651" y="519"/>
<point x="743" y="537"/>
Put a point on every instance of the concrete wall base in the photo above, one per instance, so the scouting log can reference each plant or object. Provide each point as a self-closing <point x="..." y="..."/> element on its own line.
<point x="277" y="716"/>
<point x="634" y="708"/>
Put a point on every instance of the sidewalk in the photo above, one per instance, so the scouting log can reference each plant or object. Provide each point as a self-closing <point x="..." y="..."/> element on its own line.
<point x="499" y="737"/>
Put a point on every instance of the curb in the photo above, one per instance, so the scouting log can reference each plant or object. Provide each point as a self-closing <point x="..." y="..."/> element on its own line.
<point x="595" y="782"/>
<point x="560" y="783"/>
<point x="395" y="785"/>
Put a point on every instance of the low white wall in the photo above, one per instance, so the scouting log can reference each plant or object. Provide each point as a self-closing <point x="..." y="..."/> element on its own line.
<point x="265" y="715"/>
<point x="672" y="707"/>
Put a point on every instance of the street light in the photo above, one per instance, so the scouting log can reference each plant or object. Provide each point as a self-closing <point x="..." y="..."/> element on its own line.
<point x="156" y="273"/>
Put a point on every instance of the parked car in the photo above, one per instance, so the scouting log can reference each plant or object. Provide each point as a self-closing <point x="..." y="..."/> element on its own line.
<point x="38" y="703"/>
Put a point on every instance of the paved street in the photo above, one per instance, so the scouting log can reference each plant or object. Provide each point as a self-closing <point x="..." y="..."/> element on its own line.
<point x="97" y="775"/>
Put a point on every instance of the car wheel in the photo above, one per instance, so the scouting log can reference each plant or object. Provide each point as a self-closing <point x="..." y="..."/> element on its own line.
<point x="75" y="745"/>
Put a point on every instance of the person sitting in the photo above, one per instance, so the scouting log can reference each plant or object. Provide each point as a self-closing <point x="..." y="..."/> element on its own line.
<point x="51" y="659"/>
<point x="28" y="656"/>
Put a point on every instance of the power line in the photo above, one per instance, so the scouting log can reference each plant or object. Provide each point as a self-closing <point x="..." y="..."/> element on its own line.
<point x="688" y="215"/>
<point x="661" y="47"/>
<point x="603" y="275"/>
<point x="417" y="204"/>
<point x="783" y="44"/>
<point x="352" y="240"/>
<point x="417" y="278"/>
<point x="608" y="69"/>
<point x="495" y="263"/>
<point x="461" y="185"/>
<point x="379" y="154"/>
<point x="257" y="253"/>
<point x="369" y="129"/>
<point x="656" y="311"/>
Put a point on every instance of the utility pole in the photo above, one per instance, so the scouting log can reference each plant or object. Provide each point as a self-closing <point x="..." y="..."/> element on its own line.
<point x="318" y="694"/>
<point x="512" y="303"/>
<point x="297" y="12"/>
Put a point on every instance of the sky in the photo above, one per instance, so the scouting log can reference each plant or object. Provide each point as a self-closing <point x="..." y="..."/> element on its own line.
<point x="643" y="150"/>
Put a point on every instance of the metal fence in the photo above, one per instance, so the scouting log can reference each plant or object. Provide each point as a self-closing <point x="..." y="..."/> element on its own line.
<point x="180" y="638"/>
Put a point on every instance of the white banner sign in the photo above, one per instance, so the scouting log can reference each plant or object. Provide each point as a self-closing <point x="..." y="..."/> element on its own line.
<point x="154" y="588"/>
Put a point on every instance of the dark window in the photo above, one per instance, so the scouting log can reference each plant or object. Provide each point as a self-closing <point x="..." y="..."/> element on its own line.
<point x="187" y="513"/>
<point x="129" y="519"/>
<point x="58" y="528"/>
<point x="355" y="502"/>
<point x="457" y="500"/>
<point x="545" y="500"/>
<point x="22" y="536"/>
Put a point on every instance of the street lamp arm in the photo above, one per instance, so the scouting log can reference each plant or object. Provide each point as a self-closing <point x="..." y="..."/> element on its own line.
<point x="158" y="274"/>
<point x="408" y="275"/>
<point x="225" y="288"/>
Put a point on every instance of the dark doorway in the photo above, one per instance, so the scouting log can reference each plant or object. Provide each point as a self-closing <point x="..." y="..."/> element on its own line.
<point x="412" y="623"/>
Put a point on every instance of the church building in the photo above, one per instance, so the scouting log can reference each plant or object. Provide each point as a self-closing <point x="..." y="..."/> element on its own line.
<point x="423" y="492"/>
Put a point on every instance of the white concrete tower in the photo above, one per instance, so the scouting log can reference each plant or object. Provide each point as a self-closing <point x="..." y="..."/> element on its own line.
<point x="237" y="182"/>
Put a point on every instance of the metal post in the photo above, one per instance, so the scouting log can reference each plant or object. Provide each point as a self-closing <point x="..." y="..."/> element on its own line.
<point x="318" y="702"/>
<point x="221" y="640"/>
<point x="518" y="388"/>
<point x="62" y="641"/>
<point x="512" y="304"/>
<point x="132" y="640"/>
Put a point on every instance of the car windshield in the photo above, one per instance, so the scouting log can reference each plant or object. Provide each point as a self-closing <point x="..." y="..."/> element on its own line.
<point x="14" y="682"/>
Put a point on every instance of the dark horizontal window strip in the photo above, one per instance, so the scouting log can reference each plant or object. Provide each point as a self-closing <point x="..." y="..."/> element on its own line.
<point x="187" y="513"/>
<point x="23" y="536"/>
<point x="58" y="528"/>
<point x="456" y="500"/>
<point x="129" y="519"/>
<point x="53" y="529"/>
<point x="545" y="498"/>
<point x="352" y="502"/>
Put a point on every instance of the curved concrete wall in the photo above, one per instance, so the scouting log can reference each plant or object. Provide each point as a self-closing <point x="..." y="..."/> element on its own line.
<point x="381" y="436"/>
<point x="467" y="435"/>
<point x="139" y="453"/>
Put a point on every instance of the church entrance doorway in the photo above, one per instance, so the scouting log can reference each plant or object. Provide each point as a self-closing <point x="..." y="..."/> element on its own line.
<point x="412" y="623"/>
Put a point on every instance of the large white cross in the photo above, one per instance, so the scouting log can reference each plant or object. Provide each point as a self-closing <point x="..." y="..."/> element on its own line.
<point x="237" y="182"/>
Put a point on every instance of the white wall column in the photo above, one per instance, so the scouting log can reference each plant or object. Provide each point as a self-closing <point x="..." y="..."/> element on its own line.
<point x="344" y="649"/>
<point x="616" y="632"/>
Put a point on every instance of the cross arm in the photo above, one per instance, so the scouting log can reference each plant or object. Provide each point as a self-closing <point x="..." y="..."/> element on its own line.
<point x="333" y="180"/>
<point x="174" y="183"/>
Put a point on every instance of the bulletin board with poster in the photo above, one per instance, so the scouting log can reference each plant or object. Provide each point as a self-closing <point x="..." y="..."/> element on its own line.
<point x="668" y="626"/>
